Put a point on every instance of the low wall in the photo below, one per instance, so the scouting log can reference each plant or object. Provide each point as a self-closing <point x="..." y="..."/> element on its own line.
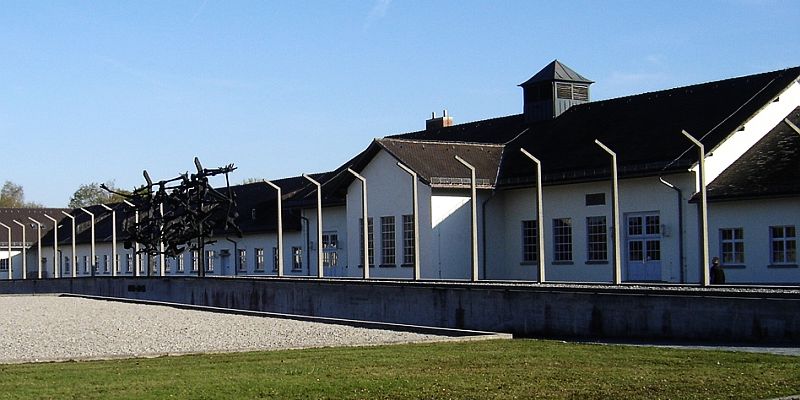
<point x="651" y="313"/>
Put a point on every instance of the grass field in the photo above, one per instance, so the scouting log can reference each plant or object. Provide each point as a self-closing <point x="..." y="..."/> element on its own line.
<point x="492" y="369"/>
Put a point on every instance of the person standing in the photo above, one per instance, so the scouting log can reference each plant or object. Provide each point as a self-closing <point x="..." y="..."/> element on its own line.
<point x="717" y="273"/>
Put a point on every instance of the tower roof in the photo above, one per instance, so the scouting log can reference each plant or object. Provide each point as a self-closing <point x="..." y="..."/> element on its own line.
<point x="556" y="71"/>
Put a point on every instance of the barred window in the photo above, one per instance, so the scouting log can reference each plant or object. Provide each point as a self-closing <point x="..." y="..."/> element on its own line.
<point x="562" y="239"/>
<point x="370" y="240"/>
<point x="259" y="254"/>
<point x="596" y="239"/>
<point x="387" y="241"/>
<point x="179" y="263"/>
<point x="242" y="260"/>
<point x="297" y="258"/>
<point x="783" y="240"/>
<point x="731" y="245"/>
<point x="210" y="260"/>
<point x="330" y="246"/>
<point x="408" y="239"/>
<point x="530" y="241"/>
<point x="195" y="260"/>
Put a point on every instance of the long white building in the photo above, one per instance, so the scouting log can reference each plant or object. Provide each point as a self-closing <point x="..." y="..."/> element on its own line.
<point x="751" y="167"/>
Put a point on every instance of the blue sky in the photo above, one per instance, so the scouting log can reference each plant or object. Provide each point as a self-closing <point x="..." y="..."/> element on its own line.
<point x="97" y="91"/>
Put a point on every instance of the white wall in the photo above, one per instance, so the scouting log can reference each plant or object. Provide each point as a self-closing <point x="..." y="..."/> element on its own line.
<point x="511" y="207"/>
<point x="755" y="218"/>
<point x="389" y="193"/>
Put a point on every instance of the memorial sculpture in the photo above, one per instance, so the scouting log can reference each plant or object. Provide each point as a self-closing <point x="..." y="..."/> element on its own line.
<point x="180" y="213"/>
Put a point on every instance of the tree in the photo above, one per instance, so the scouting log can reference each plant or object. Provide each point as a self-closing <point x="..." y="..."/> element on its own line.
<point x="92" y="193"/>
<point x="12" y="195"/>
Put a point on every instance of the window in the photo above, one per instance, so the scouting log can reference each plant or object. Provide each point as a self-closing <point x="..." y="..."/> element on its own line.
<point x="580" y="92"/>
<point x="195" y="261"/>
<point x="408" y="239"/>
<point x="116" y="263"/>
<point x="210" y="260"/>
<point x="370" y="241"/>
<point x="387" y="241"/>
<point x="731" y="245"/>
<point x="330" y="245"/>
<point x="140" y="261"/>
<point x="4" y="264"/>
<point x="105" y="263"/>
<point x="66" y="265"/>
<point x="564" y="91"/>
<point x="179" y="263"/>
<point x="128" y="261"/>
<point x="783" y="240"/>
<point x="259" y="258"/>
<point x="274" y="259"/>
<point x="595" y="199"/>
<point x="242" y="260"/>
<point x="596" y="239"/>
<point x="85" y="264"/>
<point x="562" y="239"/>
<point x="96" y="264"/>
<point x="530" y="241"/>
<point x="297" y="258"/>
<point x="652" y="225"/>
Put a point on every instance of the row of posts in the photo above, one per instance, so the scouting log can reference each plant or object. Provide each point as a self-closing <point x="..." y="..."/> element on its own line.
<point x="415" y="211"/>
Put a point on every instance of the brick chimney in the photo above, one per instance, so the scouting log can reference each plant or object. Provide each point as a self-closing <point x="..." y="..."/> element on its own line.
<point x="440" y="122"/>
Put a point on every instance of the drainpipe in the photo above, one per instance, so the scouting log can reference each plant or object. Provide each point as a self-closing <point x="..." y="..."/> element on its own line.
<point x="308" y="253"/>
<point x="483" y="234"/>
<point x="680" y="226"/>
<point x="235" y="255"/>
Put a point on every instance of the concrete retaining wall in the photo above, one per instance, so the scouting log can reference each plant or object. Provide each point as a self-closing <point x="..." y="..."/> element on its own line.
<point x="717" y="315"/>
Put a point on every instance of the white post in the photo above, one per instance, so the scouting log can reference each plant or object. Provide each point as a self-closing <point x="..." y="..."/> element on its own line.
<point x="474" y="218"/>
<point x="10" y="271"/>
<point x="280" y="227"/>
<point x="703" y="208"/>
<point x="93" y="248"/>
<point x="24" y="247"/>
<point x="56" y="268"/>
<point x="38" y="245"/>
<point x="539" y="214"/>
<point x="113" y="239"/>
<point x="415" y="216"/>
<point x="136" y="263"/>
<point x="74" y="259"/>
<point x="320" y="272"/>
<point x="614" y="212"/>
<point x="365" y="218"/>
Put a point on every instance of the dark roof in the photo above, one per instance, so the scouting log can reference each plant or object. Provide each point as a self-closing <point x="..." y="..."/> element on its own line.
<point x="495" y="130"/>
<point x="556" y="71"/>
<point x="256" y="202"/>
<point x="644" y="130"/>
<point x="435" y="162"/>
<point x="8" y="215"/>
<point x="771" y="168"/>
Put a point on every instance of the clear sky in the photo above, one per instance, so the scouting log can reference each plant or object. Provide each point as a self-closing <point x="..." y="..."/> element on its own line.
<point x="100" y="90"/>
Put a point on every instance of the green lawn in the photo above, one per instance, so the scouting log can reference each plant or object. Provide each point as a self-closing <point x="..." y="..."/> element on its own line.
<point x="492" y="369"/>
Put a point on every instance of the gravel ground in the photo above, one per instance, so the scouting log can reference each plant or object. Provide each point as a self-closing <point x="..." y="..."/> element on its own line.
<point x="48" y="328"/>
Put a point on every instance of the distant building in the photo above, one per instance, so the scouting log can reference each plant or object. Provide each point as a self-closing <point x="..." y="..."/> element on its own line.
<point x="752" y="167"/>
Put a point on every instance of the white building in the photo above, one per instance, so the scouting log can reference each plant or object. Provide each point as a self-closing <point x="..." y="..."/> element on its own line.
<point x="752" y="170"/>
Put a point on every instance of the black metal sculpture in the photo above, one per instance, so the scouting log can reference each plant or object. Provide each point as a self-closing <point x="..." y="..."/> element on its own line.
<point x="180" y="212"/>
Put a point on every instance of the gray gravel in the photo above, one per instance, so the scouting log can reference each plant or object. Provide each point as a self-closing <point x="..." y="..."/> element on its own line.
<point x="48" y="328"/>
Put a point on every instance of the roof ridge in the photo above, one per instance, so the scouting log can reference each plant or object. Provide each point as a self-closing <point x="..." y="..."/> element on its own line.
<point x="446" y="142"/>
<point x="451" y="127"/>
<point x="692" y="86"/>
